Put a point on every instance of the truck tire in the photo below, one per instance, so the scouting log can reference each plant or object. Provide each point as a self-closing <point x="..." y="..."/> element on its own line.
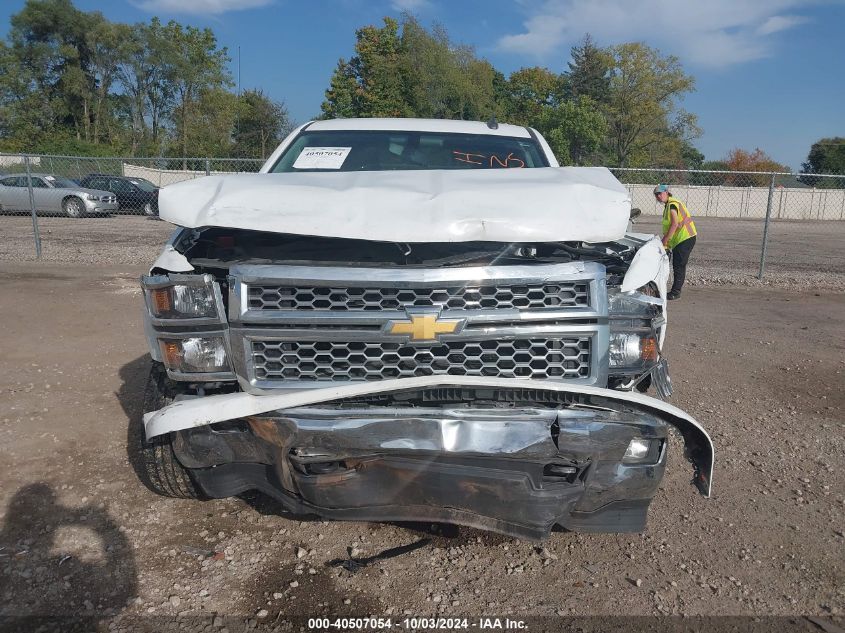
<point x="159" y="467"/>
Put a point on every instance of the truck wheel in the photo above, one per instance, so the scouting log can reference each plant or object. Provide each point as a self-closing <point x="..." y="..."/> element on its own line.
<point x="73" y="207"/>
<point x="149" y="210"/>
<point x="158" y="464"/>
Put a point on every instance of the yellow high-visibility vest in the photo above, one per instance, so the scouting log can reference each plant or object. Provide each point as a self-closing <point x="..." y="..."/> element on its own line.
<point x="686" y="228"/>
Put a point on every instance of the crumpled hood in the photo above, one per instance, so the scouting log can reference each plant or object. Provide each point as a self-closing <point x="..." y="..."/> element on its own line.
<point x="544" y="204"/>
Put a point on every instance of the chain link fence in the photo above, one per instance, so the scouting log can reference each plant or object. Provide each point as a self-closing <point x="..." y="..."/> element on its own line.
<point x="104" y="210"/>
<point x="787" y="224"/>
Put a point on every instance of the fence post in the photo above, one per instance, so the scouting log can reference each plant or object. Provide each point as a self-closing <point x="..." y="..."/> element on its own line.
<point x="207" y="167"/>
<point x="32" y="208"/>
<point x="766" y="228"/>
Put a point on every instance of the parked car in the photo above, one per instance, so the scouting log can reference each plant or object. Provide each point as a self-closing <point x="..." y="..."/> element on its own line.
<point x="414" y="320"/>
<point x="134" y="194"/>
<point x="55" y="195"/>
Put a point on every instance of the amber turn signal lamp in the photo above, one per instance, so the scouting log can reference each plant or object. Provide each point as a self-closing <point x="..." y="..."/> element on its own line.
<point x="648" y="348"/>
<point x="172" y="351"/>
<point x="161" y="300"/>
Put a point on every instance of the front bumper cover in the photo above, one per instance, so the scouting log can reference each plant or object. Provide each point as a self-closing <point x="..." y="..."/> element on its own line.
<point x="512" y="456"/>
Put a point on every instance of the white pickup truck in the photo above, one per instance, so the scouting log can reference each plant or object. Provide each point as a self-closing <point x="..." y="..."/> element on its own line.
<point x="403" y="320"/>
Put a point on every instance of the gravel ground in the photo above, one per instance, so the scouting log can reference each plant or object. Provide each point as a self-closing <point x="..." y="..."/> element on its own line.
<point x="800" y="254"/>
<point x="761" y="369"/>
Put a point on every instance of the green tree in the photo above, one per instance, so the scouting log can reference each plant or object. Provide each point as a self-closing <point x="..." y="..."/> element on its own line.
<point x="646" y="125"/>
<point x="474" y="96"/>
<point x="589" y="71"/>
<point x="575" y="130"/>
<point x="343" y="97"/>
<point x="827" y="156"/>
<point x="710" y="178"/>
<point x="209" y="125"/>
<point x="261" y="125"/>
<point x="194" y="66"/>
<point x="428" y="71"/>
<point x="102" y="41"/>
<point x="412" y="73"/>
<point x="377" y="90"/>
<point x="144" y="72"/>
<point x="26" y="116"/>
<point x="530" y="91"/>
<point x="442" y="79"/>
<point x="692" y="158"/>
<point x="49" y="38"/>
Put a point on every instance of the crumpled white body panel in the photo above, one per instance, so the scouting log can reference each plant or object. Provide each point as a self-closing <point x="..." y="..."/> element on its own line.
<point x="650" y="263"/>
<point x="544" y="204"/>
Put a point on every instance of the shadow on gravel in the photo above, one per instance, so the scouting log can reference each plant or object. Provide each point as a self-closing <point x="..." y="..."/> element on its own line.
<point x="63" y="568"/>
<point x="134" y="376"/>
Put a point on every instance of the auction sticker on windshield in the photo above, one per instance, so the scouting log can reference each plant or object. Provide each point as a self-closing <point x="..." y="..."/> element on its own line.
<point x="321" y="157"/>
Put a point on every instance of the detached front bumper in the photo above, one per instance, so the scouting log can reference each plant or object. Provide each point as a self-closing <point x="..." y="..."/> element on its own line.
<point x="511" y="456"/>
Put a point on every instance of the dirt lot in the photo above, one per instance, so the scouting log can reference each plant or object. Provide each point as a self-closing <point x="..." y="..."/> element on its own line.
<point x="762" y="369"/>
<point x="800" y="254"/>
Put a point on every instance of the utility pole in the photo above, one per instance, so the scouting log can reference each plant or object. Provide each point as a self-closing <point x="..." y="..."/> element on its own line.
<point x="238" y="110"/>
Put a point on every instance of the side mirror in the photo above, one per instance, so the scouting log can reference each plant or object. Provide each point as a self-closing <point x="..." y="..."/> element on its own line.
<point x="635" y="213"/>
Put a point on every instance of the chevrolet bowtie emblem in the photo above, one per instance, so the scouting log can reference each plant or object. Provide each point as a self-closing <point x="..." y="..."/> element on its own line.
<point x="424" y="327"/>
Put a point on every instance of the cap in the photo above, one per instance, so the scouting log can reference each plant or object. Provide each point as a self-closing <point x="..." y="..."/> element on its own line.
<point x="661" y="188"/>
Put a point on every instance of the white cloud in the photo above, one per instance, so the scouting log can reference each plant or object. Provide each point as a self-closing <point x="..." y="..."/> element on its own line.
<point x="712" y="33"/>
<point x="199" y="7"/>
<point x="780" y="23"/>
<point x="410" y="5"/>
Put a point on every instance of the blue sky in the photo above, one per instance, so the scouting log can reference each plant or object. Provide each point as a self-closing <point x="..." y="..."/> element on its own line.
<point x="769" y="72"/>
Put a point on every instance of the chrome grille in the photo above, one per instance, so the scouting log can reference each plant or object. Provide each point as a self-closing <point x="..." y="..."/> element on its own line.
<point x="539" y="358"/>
<point x="463" y="297"/>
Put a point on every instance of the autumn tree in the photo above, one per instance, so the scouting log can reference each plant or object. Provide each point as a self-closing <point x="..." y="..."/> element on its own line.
<point x="740" y="160"/>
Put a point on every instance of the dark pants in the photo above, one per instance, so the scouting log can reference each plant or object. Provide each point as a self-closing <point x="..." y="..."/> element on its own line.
<point x="680" y="257"/>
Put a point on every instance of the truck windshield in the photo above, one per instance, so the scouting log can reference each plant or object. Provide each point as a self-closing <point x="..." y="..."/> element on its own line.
<point x="371" y="150"/>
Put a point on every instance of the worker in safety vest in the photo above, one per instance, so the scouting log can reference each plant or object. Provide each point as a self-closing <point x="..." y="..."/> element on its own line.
<point x="678" y="235"/>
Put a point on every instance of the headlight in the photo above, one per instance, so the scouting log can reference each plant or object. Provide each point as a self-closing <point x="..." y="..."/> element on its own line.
<point x="635" y="319"/>
<point x="202" y="355"/>
<point x="631" y="304"/>
<point x="92" y="197"/>
<point x="642" y="451"/>
<point x="182" y="297"/>
<point x="629" y="349"/>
